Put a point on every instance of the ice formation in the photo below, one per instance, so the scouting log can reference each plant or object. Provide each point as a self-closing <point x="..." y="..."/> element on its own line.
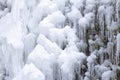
<point x="59" y="39"/>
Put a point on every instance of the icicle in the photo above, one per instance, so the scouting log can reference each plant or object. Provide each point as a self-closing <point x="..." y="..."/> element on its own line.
<point x="72" y="16"/>
<point x="118" y="49"/>
<point x="14" y="56"/>
<point x="29" y="44"/>
<point x="118" y="10"/>
<point x="83" y="24"/>
<point x="70" y="64"/>
<point x="101" y="54"/>
<point x="109" y="16"/>
<point x="101" y="16"/>
<point x="2" y="60"/>
<point x="91" y="63"/>
<point x="110" y="47"/>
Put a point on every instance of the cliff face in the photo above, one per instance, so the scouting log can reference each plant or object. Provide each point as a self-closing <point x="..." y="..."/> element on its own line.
<point x="59" y="39"/>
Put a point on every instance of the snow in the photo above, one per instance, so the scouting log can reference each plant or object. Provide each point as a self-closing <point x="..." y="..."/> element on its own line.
<point x="107" y="75"/>
<point x="90" y="6"/>
<point x="31" y="4"/>
<point x="77" y="3"/>
<point x="90" y="2"/>
<point x="89" y="16"/>
<point x="114" y="26"/>
<point x="12" y="31"/>
<point x="47" y="7"/>
<point x="69" y="62"/>
<point x="83" y="22"/>
<point x="105" y="1"/>
<point x="100" y="69"/>
<point x="48" y="45"/>
<point x="2" y="1"/>
<point x="42" y="60"/>
<point x="60" y="4"/>
<point x="55" y="18"/>
<point x="101" y="9"/>
<point x="74" y="14"/>
<point x="12" y="49"/>
<point x="44" y="8"/>
<point x="30" y="72"/>
<point x="58" y="36"/>
<point x="45" y="25"/>
<point x="91" y="58"/>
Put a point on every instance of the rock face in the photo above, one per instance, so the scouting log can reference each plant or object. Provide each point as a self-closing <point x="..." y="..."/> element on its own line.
<point x="59" y="39"/>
